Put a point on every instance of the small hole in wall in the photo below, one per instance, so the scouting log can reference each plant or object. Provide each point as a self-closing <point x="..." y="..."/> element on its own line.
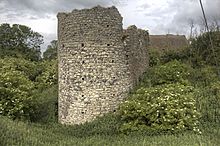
<point x="63" y="45"/>
<point x="108" y="44"/>
<point x="139" y="79"/>
<point x="113" y="94"/>
<point x="82" y="112"/>
<point x="127" y="56"/>
<point x="83" y="79"/>
<point x="107" y="25"/>
<point x="113" y="61"/>
<point x="82" y="45"/>
<point x="114" y="111"/>
<point x="113" y="77"/>
<point x="82" y="95"/>
<point x="83" y="61"/>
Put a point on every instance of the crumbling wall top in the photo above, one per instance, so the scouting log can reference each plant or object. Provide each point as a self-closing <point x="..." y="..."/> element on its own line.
<point x="99" y="24"/>
<point x="94" y="9"/>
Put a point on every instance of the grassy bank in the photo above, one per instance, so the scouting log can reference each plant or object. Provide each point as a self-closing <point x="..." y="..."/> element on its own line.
<point x="100" y="132"/>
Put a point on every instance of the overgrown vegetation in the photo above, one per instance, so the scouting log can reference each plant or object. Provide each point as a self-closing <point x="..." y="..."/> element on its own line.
<point x="170" y="107"/>
<point x="176" y="103"/>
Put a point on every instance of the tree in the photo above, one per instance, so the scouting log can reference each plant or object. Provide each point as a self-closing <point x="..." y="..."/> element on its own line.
<point x="201" y="50"/>
<point x="20" y="41"/>
<point x="51" y="52"/>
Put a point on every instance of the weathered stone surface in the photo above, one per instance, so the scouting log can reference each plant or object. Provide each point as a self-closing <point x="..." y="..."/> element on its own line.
<point x="136" y="45"/>
<point x="99" y="62"/>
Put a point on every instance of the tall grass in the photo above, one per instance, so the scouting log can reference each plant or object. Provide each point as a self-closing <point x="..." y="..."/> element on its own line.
<point x="102" y="131"/>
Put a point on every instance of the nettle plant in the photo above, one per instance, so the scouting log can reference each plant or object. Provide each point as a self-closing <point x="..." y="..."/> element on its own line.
<point x="170" y="107"/>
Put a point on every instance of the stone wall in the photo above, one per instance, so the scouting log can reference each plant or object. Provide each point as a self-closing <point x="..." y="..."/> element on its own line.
<point x="95" y="65"/>
<point x="136" y="43"/>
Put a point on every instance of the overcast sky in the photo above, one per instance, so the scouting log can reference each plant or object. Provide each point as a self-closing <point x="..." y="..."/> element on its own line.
<point x="157" y="16"/>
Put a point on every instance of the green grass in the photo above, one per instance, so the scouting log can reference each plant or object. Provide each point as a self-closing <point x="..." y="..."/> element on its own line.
<point x="100" y="132"/>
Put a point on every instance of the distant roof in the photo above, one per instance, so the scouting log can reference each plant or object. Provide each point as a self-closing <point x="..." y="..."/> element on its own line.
<point x="168" y="42"/>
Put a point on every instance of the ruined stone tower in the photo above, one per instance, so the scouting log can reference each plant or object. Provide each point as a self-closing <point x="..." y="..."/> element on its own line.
<point x="99" y="62"/>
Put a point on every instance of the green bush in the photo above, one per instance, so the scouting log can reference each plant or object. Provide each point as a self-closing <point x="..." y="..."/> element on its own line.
<point x="169" y="107"/>
<point x="28" y="68"/>
<point x="15" y="92"/>
<point x="157" y="57"/>
<point x="171" y="72"/>
<point x="44" y="105"/>
<point x="48" y="76"/>
<point x="23" y="89"/>
<point x="204" y="76"/>
<point x="171" y="55"/>
<point x="154" y="57"/>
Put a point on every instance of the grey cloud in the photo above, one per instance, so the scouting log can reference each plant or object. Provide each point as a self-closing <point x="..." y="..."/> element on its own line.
<point x="36" y="8"/>
<point x="159" y="14"/>
<point x="145" y="6"/>
<point x="191" y="11"/>
<point x="176" y="18"/>
<point x="162" y="12"/>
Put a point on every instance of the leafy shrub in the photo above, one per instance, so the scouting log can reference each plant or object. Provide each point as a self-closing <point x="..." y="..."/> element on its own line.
<point x="171" y="72"/>
<point x="204" y="76"/>
<point x="169" y="107"/>
<point x="15" y="90"/>
<point x="44" y="105"/>
<point x="48" y="76"/>
<point x="157" y="57"/>
<point x="28" y="68"/>
<point x="171" y="55"/>
<point x="154" y="57"/>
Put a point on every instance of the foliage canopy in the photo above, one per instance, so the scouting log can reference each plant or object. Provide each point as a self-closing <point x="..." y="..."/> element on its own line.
<point x="20" y="41"/>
